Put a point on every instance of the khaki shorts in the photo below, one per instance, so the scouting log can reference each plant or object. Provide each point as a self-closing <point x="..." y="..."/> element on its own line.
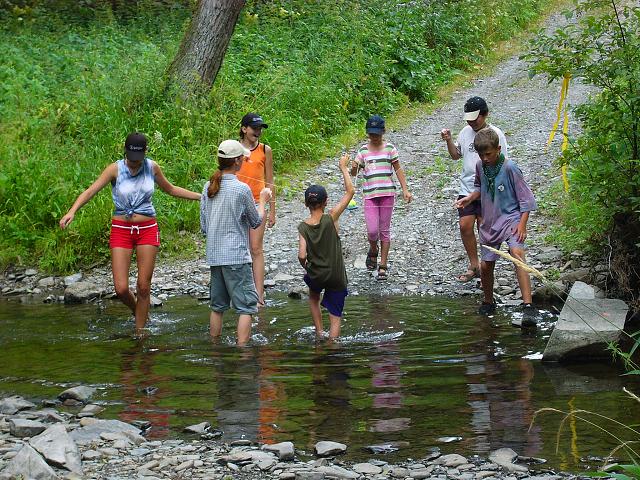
<point x="232" y="285"/>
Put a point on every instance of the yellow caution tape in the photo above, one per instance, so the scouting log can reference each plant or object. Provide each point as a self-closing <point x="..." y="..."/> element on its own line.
<point x="562" y="108"/>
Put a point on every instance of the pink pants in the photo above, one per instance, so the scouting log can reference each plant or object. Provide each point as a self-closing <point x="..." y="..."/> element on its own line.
<point x="377" y="216"/>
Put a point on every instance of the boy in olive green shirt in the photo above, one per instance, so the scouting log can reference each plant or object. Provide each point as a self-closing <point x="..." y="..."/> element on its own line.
<point x="320" y="253"/>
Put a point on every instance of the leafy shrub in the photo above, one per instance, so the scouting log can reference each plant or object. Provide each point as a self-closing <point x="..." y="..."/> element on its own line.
<point x="602" y="49"/>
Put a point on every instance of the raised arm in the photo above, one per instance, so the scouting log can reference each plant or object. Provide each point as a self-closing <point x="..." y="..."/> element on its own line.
<point x="167" y="187"/>
<point x="348" y="189"/>
<point x="108" y="174"/>
<point x="454" y="152"/>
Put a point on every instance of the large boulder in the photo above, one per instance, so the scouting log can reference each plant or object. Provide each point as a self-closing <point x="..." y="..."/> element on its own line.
<point x="57" y="447"/>
<point x="82" y="292"/>
<point x="12" y="405"/>
<point x="28" y="464"/>
<point x="586" y="326"/>
<point x="91" y="432"/>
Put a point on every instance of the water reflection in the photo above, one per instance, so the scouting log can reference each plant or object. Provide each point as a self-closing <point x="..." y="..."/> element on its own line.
<point x="237" y="404"/>
<point x="408" y="371"/>
<point x="499" y="395"/>
<point x="140" y="393"/>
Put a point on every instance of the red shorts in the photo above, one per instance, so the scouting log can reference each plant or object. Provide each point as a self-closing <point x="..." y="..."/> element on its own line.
<point x="129" y="235"/>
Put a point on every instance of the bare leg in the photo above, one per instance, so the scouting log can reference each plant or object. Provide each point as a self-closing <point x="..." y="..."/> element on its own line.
<point x="524" y="280"/>
<point x="244" y="329"/>
<point x="120" y="263"/>
<point x="316" y="313"/>
<point x="334" y="326"/>
<point x="146" y="257"/>
<point x="384" y="252"/>
<point x="486" y="273"/>
<point x="215" y="324"/>
<point x="256" y="241"/>
<point x="469" y="239"/>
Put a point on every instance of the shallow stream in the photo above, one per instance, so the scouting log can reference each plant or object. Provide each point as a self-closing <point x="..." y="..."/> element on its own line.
<point x="410" y="374"/>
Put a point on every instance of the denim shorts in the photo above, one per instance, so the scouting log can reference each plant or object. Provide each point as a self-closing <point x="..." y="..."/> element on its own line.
<point x="232" y="285"/>
<point x="332" y="300"/>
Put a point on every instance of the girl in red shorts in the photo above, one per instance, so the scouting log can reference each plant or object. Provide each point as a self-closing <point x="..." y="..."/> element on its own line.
<point x="134" y="225"/>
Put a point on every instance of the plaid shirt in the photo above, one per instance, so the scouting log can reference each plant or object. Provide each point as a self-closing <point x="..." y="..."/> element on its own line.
<point x="225" y="220"/>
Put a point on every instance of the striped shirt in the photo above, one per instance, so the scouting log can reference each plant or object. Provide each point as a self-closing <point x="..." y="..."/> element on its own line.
<point x="378" y="170"/>
<point x="226" y="219"/>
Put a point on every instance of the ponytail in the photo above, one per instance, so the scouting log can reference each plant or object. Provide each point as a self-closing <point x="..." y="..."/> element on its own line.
<point x="214" y="184"/>
<point x="216" y="178"/>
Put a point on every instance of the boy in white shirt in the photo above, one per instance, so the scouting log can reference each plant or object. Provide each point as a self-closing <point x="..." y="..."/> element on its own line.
<point x="476" y="112"/>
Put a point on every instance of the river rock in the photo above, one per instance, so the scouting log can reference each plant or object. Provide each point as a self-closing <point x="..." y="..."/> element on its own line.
<point x="586" y="326"/>
<point x="28" y="464"/>
<point x="47" y="282"/>
<point x="284" y="450"/>
<point x="327" y="449"/>
<point x="549" y="255"/>
<point x="550" y="292"/>
<point x="451" y="460"/>
<point x="58" y="448"/>
<point x="334" y="471"/>
<point x="20" y="427"/>
<point x="367" y="469"/>
<point x="90" y="411"/>
<point x="71" y="279"/>
<point x="200" y="428"/>
<point x="505" y="457"/>
<point x="91" y="430"/>
<point x="82" y="292"/>
<point x="580" y="274"/>
<point x="13" y="405"/>
<point x="81" y="393"/>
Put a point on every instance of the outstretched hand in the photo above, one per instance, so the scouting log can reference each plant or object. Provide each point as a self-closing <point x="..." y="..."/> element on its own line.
<point x="66" y="220"/>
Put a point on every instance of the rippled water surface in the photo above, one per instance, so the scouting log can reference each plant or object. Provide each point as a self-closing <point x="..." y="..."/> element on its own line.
<point x="408" y="372"/>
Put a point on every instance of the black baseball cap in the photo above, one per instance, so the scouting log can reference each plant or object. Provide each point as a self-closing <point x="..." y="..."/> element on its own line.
<point x="315" y="195"/>
<point x="135" y="146"/>
<point x="473" y="107"/>
<point x="253" y="120"/>
<point x="375" y="124"/>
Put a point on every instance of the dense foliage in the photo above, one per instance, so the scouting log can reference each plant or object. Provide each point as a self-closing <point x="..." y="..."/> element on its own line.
<point x="602" y="212"/>
<point x="76" y="77"/>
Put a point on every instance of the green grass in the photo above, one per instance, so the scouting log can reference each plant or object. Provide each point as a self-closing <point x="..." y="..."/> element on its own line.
<point x="73" y="83"/>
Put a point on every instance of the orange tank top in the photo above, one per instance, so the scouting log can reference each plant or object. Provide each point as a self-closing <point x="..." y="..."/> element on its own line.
<point x="252" y="171"/>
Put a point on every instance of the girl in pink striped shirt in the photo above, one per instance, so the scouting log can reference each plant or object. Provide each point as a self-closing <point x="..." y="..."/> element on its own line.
<point x="379" y="159"/>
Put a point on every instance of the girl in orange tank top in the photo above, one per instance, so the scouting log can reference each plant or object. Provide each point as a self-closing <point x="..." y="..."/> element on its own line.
<point x="257" y="172"/>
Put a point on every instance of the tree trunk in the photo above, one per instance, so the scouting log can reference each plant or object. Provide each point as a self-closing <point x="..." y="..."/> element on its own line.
<point x="202" y="50"/>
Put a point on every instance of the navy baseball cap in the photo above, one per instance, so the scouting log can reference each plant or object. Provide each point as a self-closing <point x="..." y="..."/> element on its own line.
<point x="253" y="120"/>
<point x="375" y="124"/>
<point x="315" y="195"/>
<point x="135" y="146"/>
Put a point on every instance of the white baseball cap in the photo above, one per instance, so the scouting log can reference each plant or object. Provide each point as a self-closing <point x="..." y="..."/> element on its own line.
<point x="232" y="149"/>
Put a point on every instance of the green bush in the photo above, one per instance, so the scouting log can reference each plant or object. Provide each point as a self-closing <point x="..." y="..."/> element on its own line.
<point x="603" y="207"/>
<point x="76" y="77"/>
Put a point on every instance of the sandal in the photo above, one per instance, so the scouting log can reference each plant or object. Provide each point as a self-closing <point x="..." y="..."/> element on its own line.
<point x="469" y="275"/>
<point x="382" y="272"/>
<point x="372" y="260"/>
